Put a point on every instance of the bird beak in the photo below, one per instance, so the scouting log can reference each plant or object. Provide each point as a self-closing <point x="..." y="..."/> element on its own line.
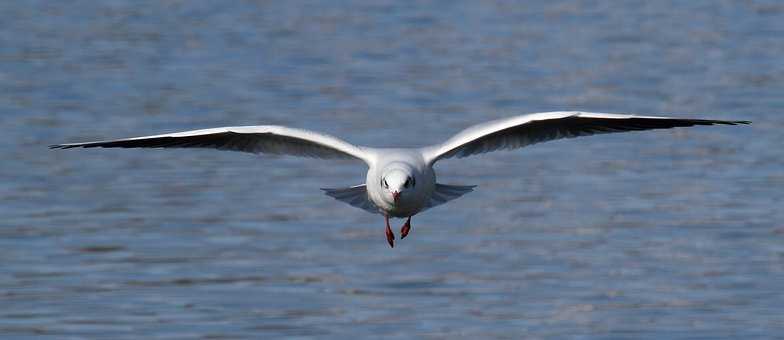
<point x="396" y="196"/>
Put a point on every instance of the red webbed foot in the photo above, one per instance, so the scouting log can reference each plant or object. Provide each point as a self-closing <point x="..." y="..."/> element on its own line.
<point x="390" y="235"/>
<point x="405" y="229"/>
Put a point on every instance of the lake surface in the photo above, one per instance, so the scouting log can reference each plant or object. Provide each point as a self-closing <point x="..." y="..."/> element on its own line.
<point x="664" y="234"/>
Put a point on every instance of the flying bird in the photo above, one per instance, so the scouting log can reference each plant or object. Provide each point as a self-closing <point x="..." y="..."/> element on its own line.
<point x="401" y="182"/>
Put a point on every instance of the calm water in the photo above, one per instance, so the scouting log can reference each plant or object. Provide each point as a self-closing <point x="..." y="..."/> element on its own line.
<point x="669" y="234"/>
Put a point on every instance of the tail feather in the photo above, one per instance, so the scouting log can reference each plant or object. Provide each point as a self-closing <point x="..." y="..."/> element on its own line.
<point x="355" y="196"/>
<point x="444" y="193"/>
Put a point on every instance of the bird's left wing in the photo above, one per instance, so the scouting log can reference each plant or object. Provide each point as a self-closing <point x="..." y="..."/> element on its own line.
<point x="269" y="139"/>
<point x="520" y="131"/>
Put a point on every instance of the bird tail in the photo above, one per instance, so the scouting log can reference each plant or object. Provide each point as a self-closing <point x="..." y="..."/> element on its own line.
<point x="445" y="193"/>
<point x="355" y="196"/>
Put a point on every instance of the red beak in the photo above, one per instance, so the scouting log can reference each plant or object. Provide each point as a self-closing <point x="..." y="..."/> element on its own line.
<point x="396" y="196"/>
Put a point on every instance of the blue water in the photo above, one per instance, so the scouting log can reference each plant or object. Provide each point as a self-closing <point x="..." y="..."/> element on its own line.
<point x="664" y="234"/>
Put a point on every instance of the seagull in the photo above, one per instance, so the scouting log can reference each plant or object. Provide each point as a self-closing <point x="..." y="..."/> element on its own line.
<point x="401" y="182"/>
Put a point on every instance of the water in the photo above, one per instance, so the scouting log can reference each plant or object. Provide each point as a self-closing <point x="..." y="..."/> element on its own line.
<point x="667" y="234"/>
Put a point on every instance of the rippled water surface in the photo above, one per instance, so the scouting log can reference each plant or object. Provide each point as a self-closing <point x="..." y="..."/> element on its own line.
<point x="666" y="234"/>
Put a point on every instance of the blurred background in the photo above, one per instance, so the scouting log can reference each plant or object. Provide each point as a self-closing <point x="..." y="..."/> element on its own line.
<point x="664" y="234"/>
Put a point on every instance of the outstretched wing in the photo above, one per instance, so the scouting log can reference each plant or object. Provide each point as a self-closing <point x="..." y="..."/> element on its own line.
<point x="520" y="131"/>
<point x="269" y="139"/>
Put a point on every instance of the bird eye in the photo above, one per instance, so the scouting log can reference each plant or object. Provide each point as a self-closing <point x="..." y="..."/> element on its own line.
<point x="407" y="181"/>
<point x="384" y="181"/>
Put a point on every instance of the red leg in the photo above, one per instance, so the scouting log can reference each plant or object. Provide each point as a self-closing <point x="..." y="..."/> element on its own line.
<point x="390" y="235"/>
<point x="405" y="229"/>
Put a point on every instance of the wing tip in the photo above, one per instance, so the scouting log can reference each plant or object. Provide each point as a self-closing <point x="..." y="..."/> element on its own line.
<point x="60" y="146"/>
<point x="707" y="122"/>
<point x="70" y="146"/>
<point x="730" y="122"/>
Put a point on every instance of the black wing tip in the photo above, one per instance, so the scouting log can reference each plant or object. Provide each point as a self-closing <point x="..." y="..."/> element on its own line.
<point x="69" y="146"/>
<point x="717" y="122"/>
<point x="731" y="122"/>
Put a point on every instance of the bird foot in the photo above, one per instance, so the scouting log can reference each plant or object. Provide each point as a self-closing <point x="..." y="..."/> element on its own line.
<point x="390" y="235"/>
<point x="405" y="229"/>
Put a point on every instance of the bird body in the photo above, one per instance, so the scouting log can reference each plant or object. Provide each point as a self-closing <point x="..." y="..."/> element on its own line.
<point x="401" y="182"/>
<point x="395" y="167"/>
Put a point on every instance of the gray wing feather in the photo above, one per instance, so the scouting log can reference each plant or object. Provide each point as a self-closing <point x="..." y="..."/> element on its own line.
<point x="521" y="131"/>
<point x="267" y="139"/>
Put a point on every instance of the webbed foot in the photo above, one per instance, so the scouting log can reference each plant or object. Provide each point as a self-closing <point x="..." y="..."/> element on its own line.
<point x="390" y="235"/>
<point x="405" y="229"/>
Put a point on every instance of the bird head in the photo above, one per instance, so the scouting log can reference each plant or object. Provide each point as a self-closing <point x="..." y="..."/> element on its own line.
<point x="397" y="182"/>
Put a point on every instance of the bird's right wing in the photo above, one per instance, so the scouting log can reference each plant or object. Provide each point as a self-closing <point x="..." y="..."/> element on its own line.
<point x="269" y="139"/>
<point x="520" y="131"/>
